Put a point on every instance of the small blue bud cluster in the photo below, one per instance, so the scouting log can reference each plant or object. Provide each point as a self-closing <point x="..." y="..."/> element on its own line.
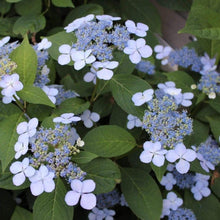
<point x="210" y="150"/>
<point x="165" y="123"/>
<point x="184" y="181"/>
<point x="185" y="57"/>
<point x="6" y="49"/>
<point x="54" y="148"/>
<point x="209" y="83"/>
<point x="108" y="200"/>
<point x="182" y="214"/>
<point x="146" y="67"/>
<point x="64" y="94"/>
<point x="101" y="37"/>
<point x="6" y="66"/>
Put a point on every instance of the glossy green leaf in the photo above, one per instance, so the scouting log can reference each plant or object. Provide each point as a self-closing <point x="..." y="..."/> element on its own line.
<point x="104" y="172"/>
<point x="84" y="157"/>
<point x="159" y="171"/>
<point x="7" y="110"/>
<point x="52" y="205"/>
<point x="123" y="87"/>
<point x="142" y="11"/>
<point x="26" y="59"/>
<point x="141" y="193"/>
<point x="34" y="95"/>
<point x="103" y="106"/>
<point x="109" y="141"/>
<point x="29" y="7"/>
<point x="214" y="123"/>
<point x="13" y="1"/>
<point x="83" y="10"/>
<point x="215" y="103"/>
<point x="6" y="25"/>
<point x="21" y="214"/>
<point x="5" y="7"/>
<point x="207" y="208"/>
<point x="29" y="23"/>
<point x="8" y="137"/>
<point x="63" y="3"/>
<point x="38" y="111"/>
<point x="57" y="40"/>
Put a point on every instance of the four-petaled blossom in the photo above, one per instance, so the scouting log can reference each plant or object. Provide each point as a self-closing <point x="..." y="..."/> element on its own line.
<point x="137" y="49"/>
<point x="162" y="53"/>
<point x="44" y="44"/>
<point x="106" y="72"/>
<point x="153" y="152"/>
<point x="139" y="30"/>
<point x="65" y="51"/>
<point x="89" y="117"/>
<point x="21" y="148"/>
<point x="21" y="170"/>
<point x="82" y="58"/>
<point x="168" y="181"/>
<point x="107" y="18"/>
<point x="205" y="164"/>
<point x="200" y="190"/>
<point x="173" y="201"/>
<point x="83" y="190"/>
<point x="208" y="64"/>
<point x="4" y="41"/>
<point x="133" y="121"/>
<point x="169" y="88"/>
<point x="10" y="85"/>
<point x="184" y="99"/>
<point x="66" y="118"/>
<point x="90" y="76"/>
<point x="183" y="155"/>
<point x="78" y="22"/>
<point x="27" y="129"/>
<point x="42" y="181"/>
<point x="51" y="93"/>
<point x="140" y="98"/>
<point x="99" y="214"/>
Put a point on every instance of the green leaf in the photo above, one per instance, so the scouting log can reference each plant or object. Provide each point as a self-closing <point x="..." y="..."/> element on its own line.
<point x="196" y="167"/>
<point x="82" y="11"/>
<point x="205" y="112"/>
<point x="199" y="135"/>
<point x="29" y="7"/>
<point x="38" y="111"/>
<point x="215" y="103"/>
<point x="109" y="141"/>
<point x="26" y="59"/>
<point x="57" y="40"/>
<point x="159" y="171"/>
<point x="123" y="87"/>
<point x="13" y="1"/>
<point x="104" y="172"/>
<point x="29" y="23"/>
<point x="204" y="19"/>
<point x="125" y="65"/>
<point x="52" y="205"/>
<point x="181" y="79"/>
<point x="207" y="208"/>
<point x="142" y="11"/>
<point x="63" y="3"/>
<point x="72" y="105"/>
<point x="5" y="7"/>
<point x="216" y="186"/>
<point x="21" y="214"/>
<point x="8" y="137"/>
<point x="84" y="157"/>
<point x="34" y="95"/>
<point x="6" y="25"/>
<point x="103" y="106"/>
<point x="141" y="193"/>
<point x="7" y="110"/>
<point x="214" y="123"/>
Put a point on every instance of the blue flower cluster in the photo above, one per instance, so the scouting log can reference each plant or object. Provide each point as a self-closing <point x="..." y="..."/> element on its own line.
<point x="108" y="200"/>
<point x="209" y="83"/>
<point x="6" y="49"/>
<point x="165" y="123"/>
<point x="101" y="37"/>
<point x="186" y="57"/>
<point x="54" y="148"/>
<point x="64" y="94"/>
<point x="182" y="214"/>
<point x="146" y="67"/>
<point x="210" y="150"/>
